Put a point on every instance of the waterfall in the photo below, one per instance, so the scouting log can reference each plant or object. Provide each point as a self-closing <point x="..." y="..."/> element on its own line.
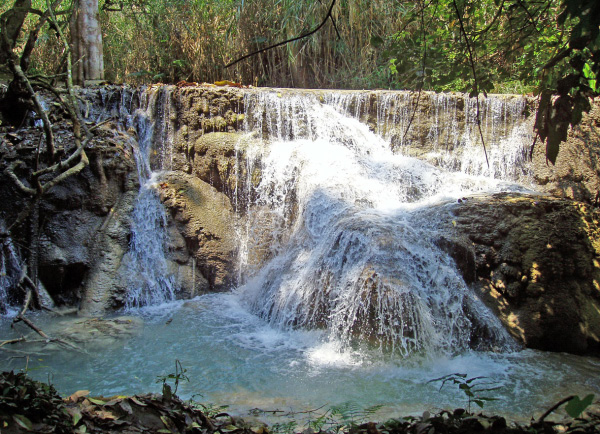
<point x="10" y="268"/>
<point x="149" y="280"/>
<point x="351" y="225"/>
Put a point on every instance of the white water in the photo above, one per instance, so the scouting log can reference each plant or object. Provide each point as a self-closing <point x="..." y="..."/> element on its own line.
<point x="10" y="271"/>
<point x="346" y="232"/>
<point x="355" y="251"/>
<point x="149" y="280"/>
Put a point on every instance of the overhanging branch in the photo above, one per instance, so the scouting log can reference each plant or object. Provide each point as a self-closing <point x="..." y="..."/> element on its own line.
<point x="297" y="38"/>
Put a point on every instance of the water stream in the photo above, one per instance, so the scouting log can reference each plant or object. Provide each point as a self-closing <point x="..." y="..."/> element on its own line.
<point x="149" y="280"/>
<point x="344" y="294"/>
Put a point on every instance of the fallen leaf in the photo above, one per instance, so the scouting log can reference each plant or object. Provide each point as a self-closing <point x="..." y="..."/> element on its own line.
<point x="75" y="396"/>
<point x="75" y="414"/>
<point x="137" y="401"/>
<point x="227" y="83"/>
<point x="96" y="401"/>
<point x="103" y="414"/>
<point x="126" y="407"/>
<point x="169" y="424"/>
<point x="23" y="422"/>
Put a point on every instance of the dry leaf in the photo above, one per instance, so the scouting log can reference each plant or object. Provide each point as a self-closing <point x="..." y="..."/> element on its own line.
<point x="75" y="396"/>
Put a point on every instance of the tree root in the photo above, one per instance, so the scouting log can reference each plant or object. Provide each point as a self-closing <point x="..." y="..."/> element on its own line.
<point x="30" y="290"/>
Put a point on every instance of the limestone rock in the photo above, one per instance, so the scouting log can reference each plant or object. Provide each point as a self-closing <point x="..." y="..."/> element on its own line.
<point x="99" y="331"/>
<point x="104" y="287"/>
<point x="537" y="265"/>
<point x="205" y="219"/>
<point x="189" y="281"/>
<point x="576" y="172"/>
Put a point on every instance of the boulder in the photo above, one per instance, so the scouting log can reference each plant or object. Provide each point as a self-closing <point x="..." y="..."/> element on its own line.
<point x="206" y="220"/>
<point x="537" y="265"/>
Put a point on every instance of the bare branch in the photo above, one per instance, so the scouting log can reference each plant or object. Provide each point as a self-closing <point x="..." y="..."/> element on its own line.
<point x="297" y="38"/>
<point x="554" y="407"/>
<point x="476" y="88"/>
<point x="70" y="172"/>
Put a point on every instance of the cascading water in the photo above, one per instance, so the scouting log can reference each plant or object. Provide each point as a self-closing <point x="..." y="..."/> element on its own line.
<point x="150" y="282"/>
<point x="340" y="237"/>
<point x="10" y="268"/>
<point x="360" y="258"/>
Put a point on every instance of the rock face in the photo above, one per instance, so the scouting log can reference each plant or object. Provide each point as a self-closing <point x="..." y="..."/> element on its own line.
<point x="536" y="261"/>
<point x="576" y="174"/>
<point x="84" y="221"/>
<point x="204" y="218"/>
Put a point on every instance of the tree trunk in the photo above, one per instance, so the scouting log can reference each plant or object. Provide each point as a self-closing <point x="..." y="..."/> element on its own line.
<point x="86" y="42"/>
<point x="11" y="23"/>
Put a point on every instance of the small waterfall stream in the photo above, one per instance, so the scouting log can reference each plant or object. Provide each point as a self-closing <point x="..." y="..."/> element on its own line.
<point x="149" y="280"/>
<point x="10" y="269"/>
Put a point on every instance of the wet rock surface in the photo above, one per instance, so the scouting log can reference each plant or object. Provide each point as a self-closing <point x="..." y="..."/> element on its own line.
<point x="536" y="262"/>
<point x="534" y="259"/>
<point x="83" y="220"/>
<point x="205" y="219"/>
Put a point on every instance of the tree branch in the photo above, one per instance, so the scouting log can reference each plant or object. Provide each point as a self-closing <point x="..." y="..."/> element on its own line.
<point x="297" y="38"/>
<point x="476" y="87"/>
<point x="554" y="407"/>
<point x="10" y="171"/>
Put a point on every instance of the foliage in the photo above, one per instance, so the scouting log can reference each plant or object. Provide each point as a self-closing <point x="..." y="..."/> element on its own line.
<point x="578" y="61"/>
<point x="176" y="377"/>
<point x="546" y="47"/>
<point x="576" y="406"/>
<point x="550" y="47"/>
<point x="470" y="387"/>
<point x="26" y="403"/>
<point x="351" y="414"/>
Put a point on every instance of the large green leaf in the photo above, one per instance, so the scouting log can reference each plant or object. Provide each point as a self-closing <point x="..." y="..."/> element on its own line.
<point x="577" y="406"/>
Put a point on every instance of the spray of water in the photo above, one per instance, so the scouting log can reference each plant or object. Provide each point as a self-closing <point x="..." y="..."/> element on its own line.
<point x="352" y="232"/>
<point x="149" y="280"/>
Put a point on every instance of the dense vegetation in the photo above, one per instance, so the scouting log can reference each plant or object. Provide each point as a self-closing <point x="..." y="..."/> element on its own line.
<point x="430" y="44"/>
<point x="478" y="46"/>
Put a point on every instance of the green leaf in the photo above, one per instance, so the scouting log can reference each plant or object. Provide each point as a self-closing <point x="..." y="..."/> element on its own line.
<point x="577" y="406"/>
<point x="96" y="401"/>
<point x="75" y="414"/>
<point x="23" y="422"/>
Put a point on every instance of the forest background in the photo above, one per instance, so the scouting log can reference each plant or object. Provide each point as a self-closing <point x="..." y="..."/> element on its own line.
<point x="365" y="44"/>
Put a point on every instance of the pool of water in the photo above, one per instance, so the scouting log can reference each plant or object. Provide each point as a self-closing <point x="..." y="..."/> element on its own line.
<point x="233" y="357"/>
